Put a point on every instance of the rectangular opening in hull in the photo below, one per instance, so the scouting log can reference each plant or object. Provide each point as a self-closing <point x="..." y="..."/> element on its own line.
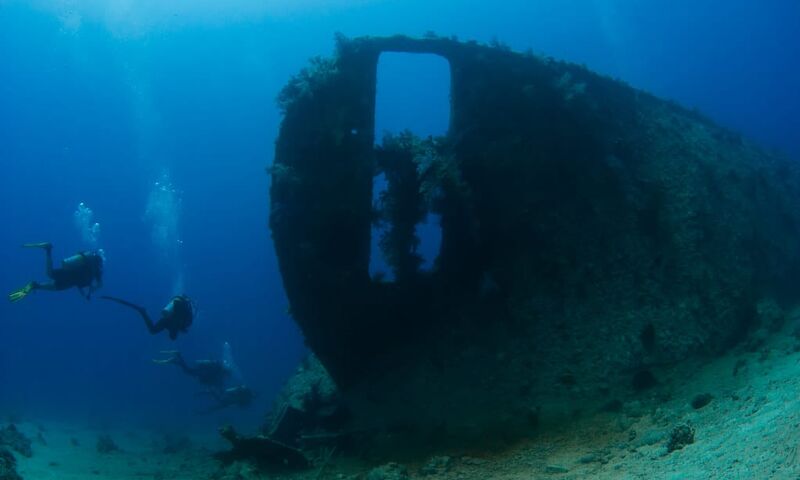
<point x="413" y="93"/>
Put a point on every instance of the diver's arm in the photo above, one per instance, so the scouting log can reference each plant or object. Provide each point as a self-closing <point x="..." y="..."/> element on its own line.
<point x="93" y="288"/>
<point x="87" y="294"/>
<point x="151" y="327"/>
<point x="180" y="362"/>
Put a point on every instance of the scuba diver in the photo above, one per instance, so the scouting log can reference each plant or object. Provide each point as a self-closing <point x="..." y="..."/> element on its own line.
<point x="210" y="373"/>
<point x="240" y="396"/>
<point x="176" y="316"/>
<point x="214" y="375"/>
<point x="82" y="270"/>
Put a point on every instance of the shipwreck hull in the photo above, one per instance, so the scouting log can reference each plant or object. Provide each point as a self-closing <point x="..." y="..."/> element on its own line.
<point x="589" y="232"/>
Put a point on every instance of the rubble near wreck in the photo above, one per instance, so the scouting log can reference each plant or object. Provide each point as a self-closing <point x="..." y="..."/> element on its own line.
<point x="591" y="232"/>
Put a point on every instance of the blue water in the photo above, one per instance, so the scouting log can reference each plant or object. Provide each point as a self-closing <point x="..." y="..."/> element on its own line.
<point x="99" y="102"/>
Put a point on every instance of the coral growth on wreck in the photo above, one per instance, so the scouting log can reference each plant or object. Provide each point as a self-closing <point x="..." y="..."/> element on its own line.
<point x="591" y="234"/>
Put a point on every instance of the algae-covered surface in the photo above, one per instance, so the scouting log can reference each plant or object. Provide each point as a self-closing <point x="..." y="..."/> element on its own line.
<point x="592" y="235"/>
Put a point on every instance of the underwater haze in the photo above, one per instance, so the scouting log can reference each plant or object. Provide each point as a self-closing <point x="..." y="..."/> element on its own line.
<point x="147" y="129"/>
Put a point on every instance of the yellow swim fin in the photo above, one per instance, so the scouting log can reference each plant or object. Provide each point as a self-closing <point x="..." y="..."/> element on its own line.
<point x="18" y="295"/>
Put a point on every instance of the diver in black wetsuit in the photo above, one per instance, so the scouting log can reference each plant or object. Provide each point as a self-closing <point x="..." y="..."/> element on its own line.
<point x="82" y="270"/>
<point x="176" y="316"/>
<point x="210" y="373"/>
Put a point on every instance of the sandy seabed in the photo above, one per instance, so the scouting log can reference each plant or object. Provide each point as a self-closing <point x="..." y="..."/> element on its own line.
<point x="70" y="452"/>
<point x="749" y="430"/>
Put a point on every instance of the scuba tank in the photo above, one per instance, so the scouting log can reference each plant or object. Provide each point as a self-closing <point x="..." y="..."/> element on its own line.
<point x="84" y="267"/>
<point x="180" y="308"/>
<point x="75" y="262"/>
<point x="82" y="260"/>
